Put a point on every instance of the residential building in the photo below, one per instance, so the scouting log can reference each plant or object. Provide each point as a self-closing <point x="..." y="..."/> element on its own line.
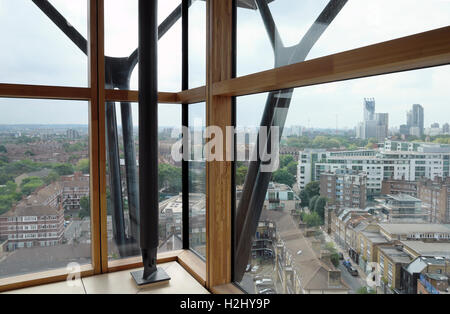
<point x="435" y="197"/>
<point x="306" y="166"/>
<point x="369" y="239"/>
<point x="415" y="232"/>
<point x="403" y="208"/>
<point x="399" y="186"/>
<point x="74" y="188"/>
<point x="34" y="222"/>
<point x="281" y="197"/>
<point x="446" y="128"/>
<point x="432" y="284"/>
<point x="344" y="188"/>
<point x="429" y="161"/>
<point x="391" y="260"/>
<point x="422" y="248"/>
<point x="422" y="265"/>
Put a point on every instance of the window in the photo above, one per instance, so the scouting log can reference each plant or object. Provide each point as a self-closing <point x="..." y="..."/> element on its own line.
<point x="38" y="52"/>
<point x="197" y="179"/>
<point x="249" y="116"/>
<point x="46" y="148"/>
<point x="123" y="184"/>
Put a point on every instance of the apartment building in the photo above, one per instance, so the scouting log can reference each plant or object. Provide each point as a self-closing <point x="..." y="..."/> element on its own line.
<point x="416" y="232"/>
<point x="403" y="208"/>
<point x="420" y="266"/>
<point x="306" y="166"/>
<point x="36" y="221"/>
<point x="435" y="196"/>
<point x="391" y="260"/>
<point x="344" y="188"/>
<point x="429" y="161"/>
<point x="399" y="186"/>
<point x="74" y="187"/>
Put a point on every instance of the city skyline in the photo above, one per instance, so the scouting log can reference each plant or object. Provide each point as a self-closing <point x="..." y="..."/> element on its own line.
<point x="67" y="66"/>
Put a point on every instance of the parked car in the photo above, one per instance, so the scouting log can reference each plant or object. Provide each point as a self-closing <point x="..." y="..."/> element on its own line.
<point x="255" y="269"/>
<point x="264" y="282"/>
<point x="256" y="278"/>
<point x="352" y="271"/>
<point x="267" y="291"/>
<point x="347" y="264"/>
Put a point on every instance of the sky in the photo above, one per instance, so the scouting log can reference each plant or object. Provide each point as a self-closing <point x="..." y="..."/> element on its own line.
<point x="39" y="53"/>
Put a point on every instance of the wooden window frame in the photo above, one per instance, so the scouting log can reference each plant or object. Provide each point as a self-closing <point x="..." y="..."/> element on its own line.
<point x="427" y="49"/>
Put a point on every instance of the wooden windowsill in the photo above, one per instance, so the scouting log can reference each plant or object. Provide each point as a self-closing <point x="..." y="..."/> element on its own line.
<point x="226" y="289"/>
<point x="193" y="264"/>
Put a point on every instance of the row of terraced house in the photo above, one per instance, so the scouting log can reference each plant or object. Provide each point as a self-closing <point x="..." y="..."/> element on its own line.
<point x="38" y="220"/>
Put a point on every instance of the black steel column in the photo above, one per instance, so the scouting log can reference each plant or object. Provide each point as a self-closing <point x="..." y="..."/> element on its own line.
<point x="148" y="133"/>
<point x="185" y="121"/>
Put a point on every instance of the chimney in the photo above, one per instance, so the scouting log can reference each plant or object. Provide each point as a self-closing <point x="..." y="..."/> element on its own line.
<point x="334" y="278"/>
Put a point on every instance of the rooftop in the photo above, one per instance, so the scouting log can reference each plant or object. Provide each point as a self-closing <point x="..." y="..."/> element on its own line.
<point x="420" y="263"/>
<point x="396" y="255"/>
<point x="403" y="198"/>
<point x="438" y="249"/>
<point x="415" y="228"/>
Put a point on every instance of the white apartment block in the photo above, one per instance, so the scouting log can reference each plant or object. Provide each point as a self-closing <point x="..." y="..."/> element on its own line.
<point x="428" y="161"/>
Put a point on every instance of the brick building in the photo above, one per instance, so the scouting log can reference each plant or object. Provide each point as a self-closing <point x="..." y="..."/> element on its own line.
<point x="393" y="187"/>
<point x="35" y="221"/>
<point x="435" y="196"/>
<point x="344" y="188"/>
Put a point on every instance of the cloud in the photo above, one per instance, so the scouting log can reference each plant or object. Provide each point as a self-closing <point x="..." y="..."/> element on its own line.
<point x="39" y="53"/>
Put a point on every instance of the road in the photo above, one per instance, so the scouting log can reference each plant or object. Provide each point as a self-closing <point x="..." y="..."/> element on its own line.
<point x="354" y="283"/>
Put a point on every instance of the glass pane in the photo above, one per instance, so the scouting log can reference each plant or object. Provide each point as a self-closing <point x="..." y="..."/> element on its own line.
<point x="197" y="180"/>
<point x="121" y="41"/>
<point x="197" y="44"/>
<point x="44" y="185"/>
<point x="356" y="24"/>
<point x="121" y="198"/>
<point x="363" y="165"/>
<point x="35" y="50"/>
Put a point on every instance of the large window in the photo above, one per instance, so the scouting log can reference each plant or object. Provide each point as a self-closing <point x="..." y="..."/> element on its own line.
<point x="197" y="179"/>
<point x="357" y="24"/>
<point x="45" y="220"/>
<point x="37" y="51"/>
<point x="121" y="41"/>
<point x="123" y="181"/>
<point x="326" y="130"/>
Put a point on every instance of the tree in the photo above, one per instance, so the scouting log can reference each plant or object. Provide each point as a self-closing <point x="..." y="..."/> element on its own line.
<point x="63" y="169"/>
<point x="312" y="203"/>
<point x="304" y="197"/>
<point x="83" y="166"/>
<point x="169" y="178"/>
<point x="52" y="177"/>
<point x="285" y="160"/>
<point x="313" y="188"/>
<point x="29" y="185"/>
<point x="334" y="255"/>
<point x="284" y="177"/>
<point x="312" y="220"/>
<point x="292" y="168"/>
<point x="241" y="173"/>
<point x="85" y="207"/>
<point x="3" y="149"/>
<point x="320" y="206"/>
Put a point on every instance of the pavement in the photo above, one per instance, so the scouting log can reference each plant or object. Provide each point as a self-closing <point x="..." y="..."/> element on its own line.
<point x="355" y="283"/>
